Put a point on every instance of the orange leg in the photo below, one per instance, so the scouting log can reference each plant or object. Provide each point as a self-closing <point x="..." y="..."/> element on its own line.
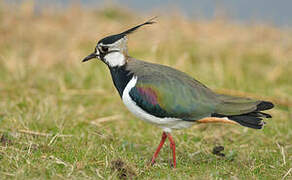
<point x="163" y="138"/>
<point x="172" y="146"/>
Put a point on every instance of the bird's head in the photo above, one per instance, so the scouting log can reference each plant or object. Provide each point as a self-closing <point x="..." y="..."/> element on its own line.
<point x="112" y="49"/>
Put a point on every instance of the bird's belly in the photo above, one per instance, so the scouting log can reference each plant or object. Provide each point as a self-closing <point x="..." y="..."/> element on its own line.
<point x="166" y="123"/>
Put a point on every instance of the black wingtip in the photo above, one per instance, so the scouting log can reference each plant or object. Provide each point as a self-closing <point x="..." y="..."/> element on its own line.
<point x="264" y="105"/>
<point x="265" y="115"/>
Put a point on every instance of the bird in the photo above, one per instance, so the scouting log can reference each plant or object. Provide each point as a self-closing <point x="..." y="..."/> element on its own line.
<point x="169" y="98"/>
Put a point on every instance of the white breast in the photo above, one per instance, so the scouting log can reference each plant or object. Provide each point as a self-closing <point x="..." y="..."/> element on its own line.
<point x="165" y="123"/>
<point x="115" y="59"/>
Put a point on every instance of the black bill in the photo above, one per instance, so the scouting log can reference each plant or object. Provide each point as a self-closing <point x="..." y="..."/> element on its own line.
<point x="90" y="56"/>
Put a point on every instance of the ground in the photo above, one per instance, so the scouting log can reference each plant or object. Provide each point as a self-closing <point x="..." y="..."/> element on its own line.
<point x="63" y="119"/>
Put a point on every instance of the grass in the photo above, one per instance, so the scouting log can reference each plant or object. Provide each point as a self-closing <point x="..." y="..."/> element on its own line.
<point x="46" y="93"/>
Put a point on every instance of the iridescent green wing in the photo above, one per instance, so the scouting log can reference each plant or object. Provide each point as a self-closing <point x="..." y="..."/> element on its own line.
<point x="166" y="92"/>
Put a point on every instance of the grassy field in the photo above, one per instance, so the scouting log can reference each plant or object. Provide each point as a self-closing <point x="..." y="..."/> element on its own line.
<point x="63" y="119"/>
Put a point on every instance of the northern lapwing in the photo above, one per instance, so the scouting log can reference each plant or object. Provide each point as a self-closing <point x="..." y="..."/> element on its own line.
<point x="169" y="98"/>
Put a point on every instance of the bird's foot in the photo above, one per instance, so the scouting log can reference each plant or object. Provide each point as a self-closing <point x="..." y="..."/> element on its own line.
<point x="172" y="164"/>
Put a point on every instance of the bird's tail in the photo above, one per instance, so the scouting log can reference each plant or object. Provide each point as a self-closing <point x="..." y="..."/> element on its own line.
<point x="244" y="111"/>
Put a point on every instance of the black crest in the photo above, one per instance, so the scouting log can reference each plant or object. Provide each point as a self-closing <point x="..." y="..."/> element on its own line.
<point x="113" y="38"/>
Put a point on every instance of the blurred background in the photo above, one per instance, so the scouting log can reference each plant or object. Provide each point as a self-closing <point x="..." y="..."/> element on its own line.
<point x="258" y="11"/>
<point x="241" y="48"/>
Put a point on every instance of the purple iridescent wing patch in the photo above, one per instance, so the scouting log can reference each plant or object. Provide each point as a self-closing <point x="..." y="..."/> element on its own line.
<point x="147" y="99"/>
<point x="148" y="94"/>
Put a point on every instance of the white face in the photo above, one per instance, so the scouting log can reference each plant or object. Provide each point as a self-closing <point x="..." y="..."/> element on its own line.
<point x="113" y="54"/>
<point x="114" y="59"/>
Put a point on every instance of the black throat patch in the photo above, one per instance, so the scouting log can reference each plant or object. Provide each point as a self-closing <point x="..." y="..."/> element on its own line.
<point x="121" y="77"/>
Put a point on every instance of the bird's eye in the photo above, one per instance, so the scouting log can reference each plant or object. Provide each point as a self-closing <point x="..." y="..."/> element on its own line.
<point x="104" y="49"/>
